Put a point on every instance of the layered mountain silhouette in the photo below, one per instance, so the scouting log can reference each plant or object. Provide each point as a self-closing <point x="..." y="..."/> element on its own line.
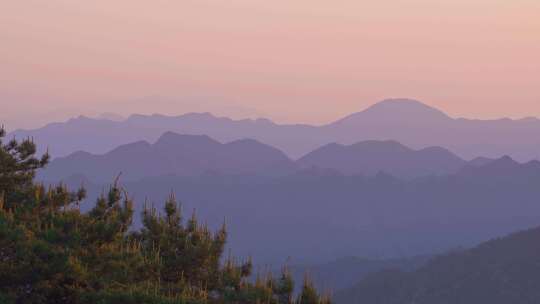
<point x="380" y="216"/>
<point x="173" y="154"/>
<point x="409" y="122"/>
<point x="195" y="155"/>
<point x="372" y="157"/>
<point x="395" y="111"/>
<point x="504" y="169"/>
<point x="500" y="271"/>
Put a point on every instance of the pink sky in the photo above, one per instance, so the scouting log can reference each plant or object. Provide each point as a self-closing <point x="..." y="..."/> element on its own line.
<point x="290" y="60"/>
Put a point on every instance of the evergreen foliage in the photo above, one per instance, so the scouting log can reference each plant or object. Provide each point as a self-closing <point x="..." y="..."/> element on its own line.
<point x="51" y="252"/>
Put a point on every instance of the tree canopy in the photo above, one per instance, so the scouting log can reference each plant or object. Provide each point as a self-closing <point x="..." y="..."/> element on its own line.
<point x="51" y="252"/>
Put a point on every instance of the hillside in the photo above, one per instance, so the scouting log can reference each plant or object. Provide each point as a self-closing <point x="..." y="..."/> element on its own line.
<point x="500" y="271"/>
<point x="345" y="272"/>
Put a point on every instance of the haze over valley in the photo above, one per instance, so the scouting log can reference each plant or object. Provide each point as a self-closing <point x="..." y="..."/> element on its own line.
<point x="270" y="152"/>
<point x="406" y="121"/>
<point x="372" y="198"/>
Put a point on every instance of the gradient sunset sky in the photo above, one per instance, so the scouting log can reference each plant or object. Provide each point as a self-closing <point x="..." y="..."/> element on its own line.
<point x="289" y="60"/>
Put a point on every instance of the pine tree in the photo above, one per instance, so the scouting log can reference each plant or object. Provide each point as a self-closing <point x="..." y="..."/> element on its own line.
<point x="308" y="295"/>
<point x="18" y="166"/>
<point x="51" y="252"/>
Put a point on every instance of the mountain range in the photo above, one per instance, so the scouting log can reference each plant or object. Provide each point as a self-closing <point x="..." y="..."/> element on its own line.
<point x="372" y="157"/>
<point x="173" y="154"/>
<point x="409" y="122"/>
<point x="317" y="215"/>
<point x="195" y="155"/>
<point x="381" y="183"/>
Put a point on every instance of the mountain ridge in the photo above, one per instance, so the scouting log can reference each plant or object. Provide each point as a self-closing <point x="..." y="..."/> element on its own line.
<point x="376" y="216"/>
<point x="181" y="154"/>
<point x="172" y="153"/>
<point x="390" y="108"/>
<point x="370" y="157"/>
<point x="409" y="122"/>
<point x="502" y="270"/>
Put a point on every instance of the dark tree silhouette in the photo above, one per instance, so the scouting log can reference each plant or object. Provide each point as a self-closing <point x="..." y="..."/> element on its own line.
<point x="51" y="252"/>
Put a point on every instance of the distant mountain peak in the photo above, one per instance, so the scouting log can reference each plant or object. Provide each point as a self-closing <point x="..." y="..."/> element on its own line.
<point x="394" y="101"/>
<point x="174" y="154"/>
<point x="200" y="115"/>
<point x="137" y="146"/>
<point x="504" y="167"/>
<point x="400" y="109"/>
<point x="405" y="106"/>
<point x="79" y="118"/>
<point x="245" y="141"/>
<point x="372" y="156"/>
<point x="385" y="144"/>
<point x="172" y="137"/>
<point x="110" y="116"/>
<point x="264" y="121"/>
<point x="505" y="161"/>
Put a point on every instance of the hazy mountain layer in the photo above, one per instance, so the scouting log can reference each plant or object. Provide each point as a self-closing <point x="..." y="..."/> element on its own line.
<point x="320" y="215"/>
<point x="409" y="122"/>
<point x="195" y="155"/>
<point x="173" y="154"/>
<point x="345" y="272"/>
<point x="372" y="157"/>
<point x="500" y="271"/>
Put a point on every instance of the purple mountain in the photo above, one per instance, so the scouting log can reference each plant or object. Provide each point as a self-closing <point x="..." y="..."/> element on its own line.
<point x="409" y="122"/>
<point x="372" y="157"/>
<point x="373" y="216"/>
<point x="173" y="154"/>
<point x="195" y="155"/>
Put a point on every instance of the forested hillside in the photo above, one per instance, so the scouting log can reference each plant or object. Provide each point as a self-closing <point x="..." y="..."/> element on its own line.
<point x="346" y="272"/>
<point x="500" y="271"/>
